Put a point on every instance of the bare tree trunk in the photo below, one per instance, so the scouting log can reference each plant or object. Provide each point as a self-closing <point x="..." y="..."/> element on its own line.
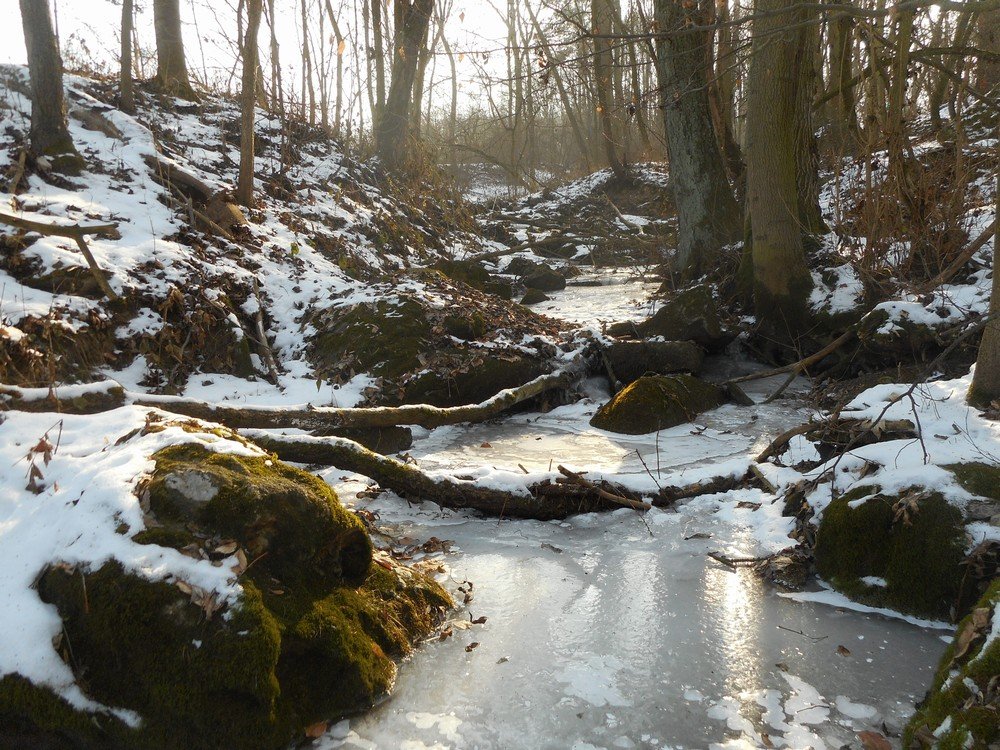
<point x="49" y="132"/>
<point x="126" y="84"/>
<point x="379" y="55"/>
<point x="806" y="150"/>
<point x="601" y="16"/>
<point x="781" y="280"/>
<point x="453" y="111"/>
<point x="708" y="217"/>
<point x="248" y="99"/>
<point x="986" y="380"/>
<point x="390" y="133"/>
<point x="987" y="39"/>
<point x="844" y="122"/>
<point x="171" y="66"/>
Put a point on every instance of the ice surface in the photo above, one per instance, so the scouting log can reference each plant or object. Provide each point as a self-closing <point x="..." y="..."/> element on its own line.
<point x="616" y="630"/>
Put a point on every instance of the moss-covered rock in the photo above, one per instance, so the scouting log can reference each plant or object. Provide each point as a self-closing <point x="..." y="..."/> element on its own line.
<point x="914" y="542"/>
<point x="657" y="402"/>
<point x="482" y="379"/>
<point x="385" y="338"/>
<point x="312" y="636"/>
<point x="534" y="297"/>
<point x="475" y="275"/>
<point x="545" y="280"/>
<point x="962" y="709"/>
<point x="630" y="360"/>
<point x="689" y="315"/>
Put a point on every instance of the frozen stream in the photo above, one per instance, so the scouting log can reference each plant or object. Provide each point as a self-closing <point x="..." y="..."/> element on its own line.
<point x="616" y="631"/>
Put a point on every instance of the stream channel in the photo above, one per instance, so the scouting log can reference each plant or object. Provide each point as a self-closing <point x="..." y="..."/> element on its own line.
<point x="616" y="630"/>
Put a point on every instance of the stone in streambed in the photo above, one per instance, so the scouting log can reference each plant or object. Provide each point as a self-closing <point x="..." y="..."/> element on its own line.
<point x="657" y="402"/>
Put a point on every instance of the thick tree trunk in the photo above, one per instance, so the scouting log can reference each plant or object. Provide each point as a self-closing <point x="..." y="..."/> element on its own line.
<point x="987" y="39"/>
<point x="171" y="67"/>
<point x="126" y="84"/>
<point x="708" y="216"/>
<point x="379" y="55"/>
<point x="251" y="57"/>
<point x="391" y="128"/>
<point x="49" y="132"/>
<point x="986" y="380"/>
<point x="781" y="280"/>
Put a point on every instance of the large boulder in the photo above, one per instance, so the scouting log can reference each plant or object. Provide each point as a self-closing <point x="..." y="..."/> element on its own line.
<point x="545" y="279"/>
<point x="630" y="360"/>
<point x="657" y="402"/>
<point x="311" y="636"/>
<point x="483" y="378"/>
<point x="903" y="551"/>
<point x="689" y="315"/>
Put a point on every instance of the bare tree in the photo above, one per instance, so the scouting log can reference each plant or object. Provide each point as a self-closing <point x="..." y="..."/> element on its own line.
<point x="127" y="86"/>
<point x="986" y="380"/>
<point x="171" y="66"/>
<point x="49" y="131"/>
<point x="248" y="101"/>
<point x="708" y="217"/>
<point x="412" y="20"/>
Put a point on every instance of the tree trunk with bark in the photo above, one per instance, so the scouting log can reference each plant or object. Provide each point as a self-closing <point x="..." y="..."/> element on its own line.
<point x="171" y="66"/>
<point x="781" y="280"/>
<point x="126" y="84"/>
<point x="708" y="215"/>
<point x="248" y="101"/>
<point x="413" y="18"/>
<point x="49" y="131"/>
<point x="601" y="18"/>
<point x="986" y="380"/>
<point x="844" y="116"/>
<point x="806" y="148"/>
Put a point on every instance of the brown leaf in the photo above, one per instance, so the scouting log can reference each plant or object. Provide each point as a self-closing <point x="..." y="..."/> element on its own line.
<point x="227" y="547"/>
<point x="871" y="740"/>
<point x="843" y="651"/>
<point x="485" y="445"/>
<point x="479" y="620"/>
<point x="471" y="646"/>
<point x="974" y="628"/>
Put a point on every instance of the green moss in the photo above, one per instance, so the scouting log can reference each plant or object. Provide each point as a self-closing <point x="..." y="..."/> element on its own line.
<point x="975" y="722"/>
<point x="534" y="297"/>
<point x="313" y="635"/>
<point x="384" y="339"/>
<point x="689" y="315"/>
<point x="919" y="559"/>
<point x="978" y="478"/>
<point x="290" y="517"/>
<point x="657" y="402"/>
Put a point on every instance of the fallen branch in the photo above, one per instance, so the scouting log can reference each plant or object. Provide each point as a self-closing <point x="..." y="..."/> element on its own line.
<point x="75" y="232"/>
<point x="408" y="481"/>
<point x="796" y="368"/>
<point x="305" y="418"/>
<point x="577" y="478"/>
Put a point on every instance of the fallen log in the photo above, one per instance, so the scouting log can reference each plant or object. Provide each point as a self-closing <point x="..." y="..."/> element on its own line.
<point x="75" y="232"/>
<point x="795" y="368"/>
<point x="541" y="501"/>
<point x="303" y="417"/>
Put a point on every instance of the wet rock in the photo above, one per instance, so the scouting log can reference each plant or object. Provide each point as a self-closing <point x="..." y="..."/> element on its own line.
<point x="312" y="636"/>
<point x="630" y="360"/>
<point x="657" y="402"/>
<point x="520" y="266"/>
<point x="534" y="297"/>
<point x="545" y="279"/>
<point x="690" y="315"/>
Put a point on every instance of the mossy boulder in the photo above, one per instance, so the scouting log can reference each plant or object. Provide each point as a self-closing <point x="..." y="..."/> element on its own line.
<point x="545" y="279"/>
<point x="312" y="635"/>
<point x="483" y="378"/>
<point x="962" y="709"/>
<point x="689" y="315"/>
<point x="656" y="402"/>
<point x="630" y="360"/>
<point x="914" y="542"/>
<point x="474" y="274"/>
<point x="384" y="338"/>
<point x="521" y="266"/>
<point x="534" y="297"/>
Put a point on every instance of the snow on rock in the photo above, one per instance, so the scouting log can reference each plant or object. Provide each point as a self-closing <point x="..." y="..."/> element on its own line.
<point x="83" y="511"/>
